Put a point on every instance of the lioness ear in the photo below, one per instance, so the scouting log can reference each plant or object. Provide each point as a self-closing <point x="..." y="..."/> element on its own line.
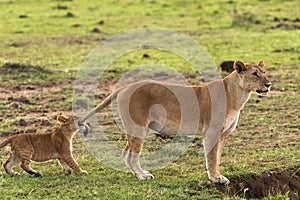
<point x="62" y="119"/>
<point x="261" y="63"/>
<point x="239" y="66"/>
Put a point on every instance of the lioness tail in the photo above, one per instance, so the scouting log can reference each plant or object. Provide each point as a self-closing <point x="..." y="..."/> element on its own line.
<point x="102" y="105"/>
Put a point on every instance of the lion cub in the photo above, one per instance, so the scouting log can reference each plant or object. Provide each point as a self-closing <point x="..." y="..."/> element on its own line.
<point x="43" y="147"/>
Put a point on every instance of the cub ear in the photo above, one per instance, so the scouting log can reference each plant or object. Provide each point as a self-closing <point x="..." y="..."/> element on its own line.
<point x="239" y="66"/>
<point x="261" y="64"/>
<point x="62" y="119"/>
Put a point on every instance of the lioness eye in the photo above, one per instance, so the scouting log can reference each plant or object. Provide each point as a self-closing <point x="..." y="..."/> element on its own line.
<point x="256" y="74"/>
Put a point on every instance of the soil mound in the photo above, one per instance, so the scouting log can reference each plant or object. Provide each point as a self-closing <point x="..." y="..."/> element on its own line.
<point x="259" y="186"/>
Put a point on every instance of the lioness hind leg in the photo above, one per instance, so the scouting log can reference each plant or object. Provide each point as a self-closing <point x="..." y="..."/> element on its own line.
<point x="10" y="163"/>
<point x="131" y="155"/>
<point x="135" y="124"/>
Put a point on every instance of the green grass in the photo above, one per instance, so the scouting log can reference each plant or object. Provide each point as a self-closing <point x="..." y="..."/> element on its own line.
<point x="57" y="36"/>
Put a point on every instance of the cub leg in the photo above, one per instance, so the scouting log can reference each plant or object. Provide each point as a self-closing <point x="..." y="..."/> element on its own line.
<point x="25" y="158"/>
<point x="69" y="160"/>
<point x="10" y="163"/>
<point x="212" y="165"/>
<point x="25" y="165"/>
<point x="131" y="155"/>
<point x="65" y="167"/>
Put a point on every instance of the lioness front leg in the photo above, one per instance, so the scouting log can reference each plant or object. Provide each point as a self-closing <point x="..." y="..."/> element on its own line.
<point x="212" y="164"/>
<point x="131" y="155"/>
<point x="222" y="141"/>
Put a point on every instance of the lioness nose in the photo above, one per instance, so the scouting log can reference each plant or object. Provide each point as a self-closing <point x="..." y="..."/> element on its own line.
<point x="268" y="84"/>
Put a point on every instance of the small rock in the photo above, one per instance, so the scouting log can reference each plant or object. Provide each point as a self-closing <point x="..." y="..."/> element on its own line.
<point x="69" y="14"/>
<point x="296" y="20"/>
<point x="20" y="122"/>
<point x="15" y="105"/>
<point x="146" y="55"/>
<point x="46" y="123"/>
<point x="276" y="19"/>
<point x="101" y="22"/>
<point x="96" y="30"/>
<point x="76" y="25"/>
<point x="23" y="16"/>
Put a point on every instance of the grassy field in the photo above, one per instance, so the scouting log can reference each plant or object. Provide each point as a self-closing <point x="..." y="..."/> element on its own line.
<point x="43" y="44"/>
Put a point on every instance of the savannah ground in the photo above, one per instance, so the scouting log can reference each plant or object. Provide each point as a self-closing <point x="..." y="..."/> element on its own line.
<point x="43" y="44"/>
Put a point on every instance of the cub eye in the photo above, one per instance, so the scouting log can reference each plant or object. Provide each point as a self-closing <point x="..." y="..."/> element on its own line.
<point x="256" y="74"/>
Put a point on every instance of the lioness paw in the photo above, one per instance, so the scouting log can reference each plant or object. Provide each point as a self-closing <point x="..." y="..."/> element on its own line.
<point x="145" y="175"/>
<point x="221" y="179"/>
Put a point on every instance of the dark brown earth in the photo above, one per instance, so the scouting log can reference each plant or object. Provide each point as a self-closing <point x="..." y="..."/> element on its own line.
<point x="259" y="186"/>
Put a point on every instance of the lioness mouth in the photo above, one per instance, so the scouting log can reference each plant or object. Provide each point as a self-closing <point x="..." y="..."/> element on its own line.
<point x="262" y="91"/>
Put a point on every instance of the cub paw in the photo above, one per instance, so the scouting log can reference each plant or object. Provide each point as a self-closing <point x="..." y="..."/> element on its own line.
<point x="67" y="172"/>
<point x="14" y="174"/>
<point x="37" y="174"/>
<point x="82" y="172"/>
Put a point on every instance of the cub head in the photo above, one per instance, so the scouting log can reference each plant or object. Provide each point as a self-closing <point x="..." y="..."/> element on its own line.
<point x="253" y="77"/>
<point x="67" y="124"/>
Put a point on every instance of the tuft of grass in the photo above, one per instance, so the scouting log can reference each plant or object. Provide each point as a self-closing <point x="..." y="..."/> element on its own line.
<point x="69" y="15"/>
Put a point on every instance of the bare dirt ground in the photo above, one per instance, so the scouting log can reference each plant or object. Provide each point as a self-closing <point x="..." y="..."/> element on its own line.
<point x="31" y="108"/>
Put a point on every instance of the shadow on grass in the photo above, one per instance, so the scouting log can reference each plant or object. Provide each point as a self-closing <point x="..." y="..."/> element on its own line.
<point x="27" y="74"/>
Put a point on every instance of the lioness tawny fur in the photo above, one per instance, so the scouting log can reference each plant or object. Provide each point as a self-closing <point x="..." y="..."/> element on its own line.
<point x="136" y="104"/>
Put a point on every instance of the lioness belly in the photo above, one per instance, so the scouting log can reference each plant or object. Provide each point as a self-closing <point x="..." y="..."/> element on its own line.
<point x="173" y="128"/>
<point x="164" y="129"/>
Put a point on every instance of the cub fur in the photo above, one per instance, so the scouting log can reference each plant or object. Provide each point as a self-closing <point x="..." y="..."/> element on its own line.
<point x="137" y="104"/>
<point x="43" y="147"/>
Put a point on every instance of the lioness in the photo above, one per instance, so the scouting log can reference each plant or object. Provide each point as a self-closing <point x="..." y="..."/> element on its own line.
<point x="43" y="147"/>
<point x="137" y="103"/>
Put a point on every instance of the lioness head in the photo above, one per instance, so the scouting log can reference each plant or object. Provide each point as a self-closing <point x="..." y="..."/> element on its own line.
<point x="67" y="124"/>
<point x="252" y="77"/>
